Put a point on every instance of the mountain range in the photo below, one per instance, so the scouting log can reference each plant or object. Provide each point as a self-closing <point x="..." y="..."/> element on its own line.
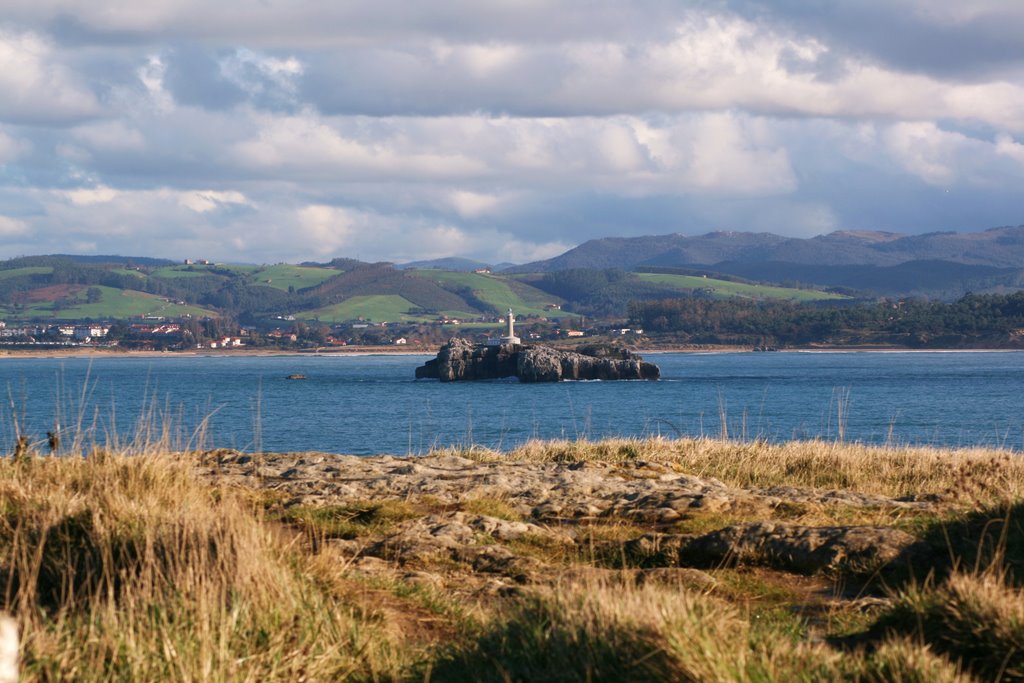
<point x="997" y="247"/>
<point x="943" y="264"/>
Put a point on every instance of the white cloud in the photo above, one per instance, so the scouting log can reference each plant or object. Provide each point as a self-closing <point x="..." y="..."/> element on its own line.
<point x="10" y="227"/>
<point x="328" y="229"/>
<point x="711" y="152"/>
<point x="944" y="158"/>
<point x="87" y="196"/>
<point x="473" y="204"/>
<point x="36" y="87"/>
<point x="924" y="150"/>
<point x="151" y="75"/>
<point x="110" y="136"/>
<point x="1008" y="147"/>
<point x="726" y="158"/>
<point x="306" y="143"/>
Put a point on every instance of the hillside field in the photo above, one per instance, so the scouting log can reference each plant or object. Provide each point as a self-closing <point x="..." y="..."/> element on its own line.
<point x="279" y="276"/>
<point x="113" y="304"/>
<point x="372" y="308"/>
<point x="724" y="288"/>
<point x="500" y="292"/>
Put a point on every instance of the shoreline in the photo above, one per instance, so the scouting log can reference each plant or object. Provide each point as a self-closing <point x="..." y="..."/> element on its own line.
<point x="93" y="353"/>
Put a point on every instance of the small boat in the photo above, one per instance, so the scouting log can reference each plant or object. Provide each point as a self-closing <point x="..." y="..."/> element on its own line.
<point x="296" y="376"/>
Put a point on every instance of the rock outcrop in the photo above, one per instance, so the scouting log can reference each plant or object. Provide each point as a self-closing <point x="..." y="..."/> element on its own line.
<point x="463" y="360"/>
<point x="634" y="514"/>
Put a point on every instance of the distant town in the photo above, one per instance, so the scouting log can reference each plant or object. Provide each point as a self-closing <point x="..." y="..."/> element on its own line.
<point x="211" y="334"/>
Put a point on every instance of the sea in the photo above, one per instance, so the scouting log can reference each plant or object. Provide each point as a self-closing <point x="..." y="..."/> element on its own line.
<point x="371" y="404"/>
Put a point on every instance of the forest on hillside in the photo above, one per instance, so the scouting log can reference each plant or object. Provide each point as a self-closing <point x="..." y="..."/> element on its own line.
<point x="989" y="319"/>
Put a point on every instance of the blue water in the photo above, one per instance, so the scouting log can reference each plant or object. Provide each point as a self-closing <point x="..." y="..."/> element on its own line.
<point x="372" y="404"/>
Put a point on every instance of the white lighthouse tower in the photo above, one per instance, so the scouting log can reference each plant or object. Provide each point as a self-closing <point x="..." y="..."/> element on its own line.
<point x="510" y="334"/>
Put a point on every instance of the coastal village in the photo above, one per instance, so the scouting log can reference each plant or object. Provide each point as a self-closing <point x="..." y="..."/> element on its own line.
<point x="210" y="334"/>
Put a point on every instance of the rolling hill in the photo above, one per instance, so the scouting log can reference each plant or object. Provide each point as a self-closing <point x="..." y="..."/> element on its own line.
<point x="60" y="288"/>
<point x="941" y="264"/>
<point x="73" y="302"/>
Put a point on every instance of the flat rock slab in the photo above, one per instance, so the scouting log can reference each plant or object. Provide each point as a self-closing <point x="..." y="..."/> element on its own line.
<point x="554" y="502"/>
<point x="645" y="492"/>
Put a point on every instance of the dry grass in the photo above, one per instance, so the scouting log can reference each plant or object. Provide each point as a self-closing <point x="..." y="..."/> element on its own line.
<point x="608" y="632"/>
<point x="977" y="618"/>
<point x="978" y="475"/>
<point x="127" y="568"/>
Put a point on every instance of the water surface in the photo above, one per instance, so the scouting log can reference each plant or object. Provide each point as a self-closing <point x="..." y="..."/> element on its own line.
<point x="372" y="404"/>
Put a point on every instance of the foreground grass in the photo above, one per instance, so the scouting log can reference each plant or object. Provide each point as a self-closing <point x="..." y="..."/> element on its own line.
<point x="607" y="633"/>
<point x="128" y="567"/>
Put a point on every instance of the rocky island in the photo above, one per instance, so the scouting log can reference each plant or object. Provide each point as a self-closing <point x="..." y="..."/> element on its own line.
<point x="462" y="360"/>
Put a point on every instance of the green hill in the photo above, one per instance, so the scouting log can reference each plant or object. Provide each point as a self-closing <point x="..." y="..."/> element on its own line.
<point x="374" y="308"/>
<point x="61" y="288"/>
<point x="725" y="288"/>
<point x="72" y="302"/>
<point x="497" y="292"/>
<point x="281" y="276"/>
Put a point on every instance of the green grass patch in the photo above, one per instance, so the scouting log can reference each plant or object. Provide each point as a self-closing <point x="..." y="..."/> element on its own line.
<point x="113" y="303"/>
<point x="491" y="506"/>
<point x="129" y="271"/>
<point x="283" y="276"/>
<point x="497" y="291"/>
<point x="181" y="271"/>
<point x="725" y="289"/>
<point x="372" y="308"/>
<point x="349" y="521"/>
<point x="28" y="270"/>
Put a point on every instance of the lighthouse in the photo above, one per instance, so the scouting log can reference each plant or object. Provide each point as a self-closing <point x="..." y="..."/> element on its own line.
<point x="510" y="333"/>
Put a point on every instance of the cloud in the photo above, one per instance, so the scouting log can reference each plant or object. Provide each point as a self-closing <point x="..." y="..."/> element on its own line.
<point x="87" y="196"/>
<point x="398" y="129"/>
<point x="110" y="136"/>
<point x="10" y="227"/>
<point x="36" y="86"/>
<point x="473" y="204"/>
<point x="336" y="230"/>
<point x="938" y="37"/>
<point x="304" y="143"/>
<point x="944" y="158"/>
<point x="11" y="149"/>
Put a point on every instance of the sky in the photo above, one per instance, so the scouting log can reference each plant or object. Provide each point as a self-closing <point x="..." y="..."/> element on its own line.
<point x="504" y="130"/>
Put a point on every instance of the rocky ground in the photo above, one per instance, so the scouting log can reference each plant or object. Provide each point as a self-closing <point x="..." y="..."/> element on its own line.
<point x="483" y="529"/>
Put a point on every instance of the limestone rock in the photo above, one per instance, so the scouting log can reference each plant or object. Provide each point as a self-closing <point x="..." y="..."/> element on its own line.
<point x="461" y="360"/>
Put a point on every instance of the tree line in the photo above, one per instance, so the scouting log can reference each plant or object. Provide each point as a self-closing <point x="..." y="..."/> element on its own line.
<point x="989" y="319"/>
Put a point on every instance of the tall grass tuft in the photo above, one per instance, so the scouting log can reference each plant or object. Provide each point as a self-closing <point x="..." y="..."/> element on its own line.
<point x="122" y="567"/>
<point x="977" y="619"/>
<point x="607" y="632"/>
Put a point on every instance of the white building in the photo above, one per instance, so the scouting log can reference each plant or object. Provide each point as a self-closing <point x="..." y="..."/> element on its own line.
<point x="510" y="337"/>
